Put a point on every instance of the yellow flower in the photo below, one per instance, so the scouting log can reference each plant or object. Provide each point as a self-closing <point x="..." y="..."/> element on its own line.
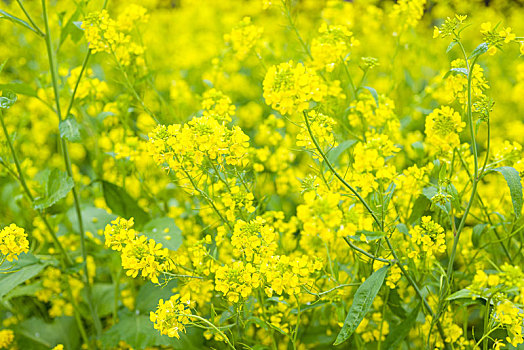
<point x="13" y="242"/>
<point x="290" y="87"/>
<point x="6" y="338"/>
<point x="171" y="316"/>
<point x="443" y="126"/>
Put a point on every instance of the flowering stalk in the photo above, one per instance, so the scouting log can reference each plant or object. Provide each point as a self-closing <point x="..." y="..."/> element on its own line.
<point x="381" y="225"/>
<point x="67" y="161"/>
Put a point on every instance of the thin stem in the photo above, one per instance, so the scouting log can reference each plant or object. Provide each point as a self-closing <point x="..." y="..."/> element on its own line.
<point x="475" y="176"/>
<point x="328" y="163"/>
<point x="67" y="160"/>
<point x="73" y="95"/>
<point x="212" y="326"/>
<point x="37" y="29"/>
<point x="21" y="179"/>
<point x="369" y="255"/>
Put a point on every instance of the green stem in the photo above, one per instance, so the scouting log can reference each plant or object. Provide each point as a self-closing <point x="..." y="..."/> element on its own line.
<point x="475" y="173"/>
<point x="226" y="339"/>
<point x="381" y="225"/>
<point x="369" y="255"/>
<point x="54" y="76"/>
<point x="328" y="163"/>
<point x="37" y="29"/>
<point x="486" y="323"/>
<point x="21" y="179"/>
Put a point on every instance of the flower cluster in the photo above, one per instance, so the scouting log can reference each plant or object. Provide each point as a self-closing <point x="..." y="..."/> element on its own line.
<point x="331" y="46"/>
<point x="172" y="316"/>
<point x="289" y="88"/>
<point x="429" y="238"/>
<point x="321" y="127"/>
<point x="443" y="127"/>
<point x="243" y="38"/>
<point x="104" y="34"/>
<point x="13" y="242"/>
<point x="139" y="254"/>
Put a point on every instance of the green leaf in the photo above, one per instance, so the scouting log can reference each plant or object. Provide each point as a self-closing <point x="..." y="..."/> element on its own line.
<point x="20" y="88"/>
<point x="419" y="207"/>
<point x="95" y="220"/>
<point x="402" y="330"/>
<point x="36" y="334"/>
<point x="104" y="298"/>
<point x="70" y="129"/>
<point x="336" y="152"/>
<point x="137" y="331"/>
<point x="165" y="231"/>
<point x="461" y="294"/>
<point x="17" y="20"/>
<point x="362" y="302"/>
<point x="7" y="99"/>
<point x="478" y="230"/>
<point x="122" y="204"/>
<point x="451" y="45"/>
<point x="373" y="93"/>
<point x="149" y="294"/>
<point x="58" y="185"/>
<point x="395" y="304"/>
<point x="2" y="66"/>
<point x="515" y="187"/>
<point x="21" y="271"/>
<point x="479" y="50"/>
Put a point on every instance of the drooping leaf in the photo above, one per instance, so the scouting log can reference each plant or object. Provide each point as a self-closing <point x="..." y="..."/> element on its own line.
<point x="7" y="99"/>
<point x="165" y="231"/>
<point x="400" y="332"/>
<point x="36" y="334"/>
<point x="19" y="88"/>
<point x="16" y="20"/>
<point x="512" y="178"/>
<point x="479" y="50"/>
<point x="94" y="220"/>
<point x="57" y="186"/>
<point x="478" y="230"/>
<point x="122" y="204"/>
<point x="19" y="271"/>
<point x="362" y="302"/>
<point x="137" y="331"/>
<point x="70" y="129"/>
<point x="373" y="93"/>
<point x="336" y="152"/>
<point x="451" y="45"/>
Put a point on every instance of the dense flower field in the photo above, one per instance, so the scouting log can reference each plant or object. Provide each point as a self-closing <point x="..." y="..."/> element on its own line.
<point x="261" y="174"/>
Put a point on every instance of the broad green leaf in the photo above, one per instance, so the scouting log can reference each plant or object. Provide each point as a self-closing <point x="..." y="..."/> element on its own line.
<point x="419" y="207"/>
<point x="336" y="152"/>
<point x="373" y="93"/>
<point x="402" y="330"/>
<point x="70" y="129"/>
<point x="478" y="230"/>
<point x="19" y="271"/>
<point x="58" y="185"/>
<point x="461" y="294"/>
<point x="165" y="231"/>
<point x="451" y="45"/>
<point x="7" y="99"/>
<point x="362" y="302"/>
<point x="149" y="294"/>
<point x="17" y="20"/>
<point x="104" y="298"/>
<point x="122" y="204"/>
<point x="36" y="334"/>
<point x="479" y="50"/>
<point x="515" y="187"/>
<point x="24" y="289"/>
<point x="137" y="331"/>
<point x="395" y="304"/>
<point x="94" y="219"/>
<point x="19" y="88"/>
